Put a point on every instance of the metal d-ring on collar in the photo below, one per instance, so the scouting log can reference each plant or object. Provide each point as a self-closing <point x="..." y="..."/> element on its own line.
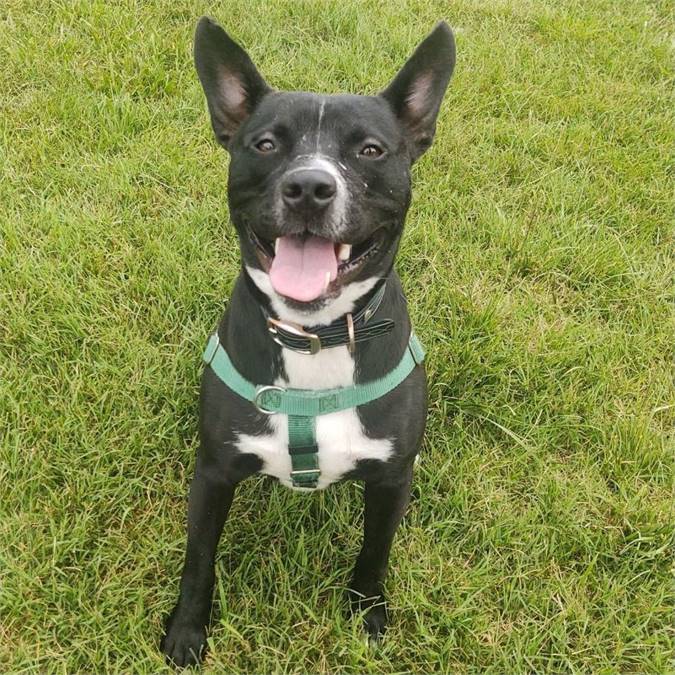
<point x="351" y="345"/>
<point x="347" y="330"/>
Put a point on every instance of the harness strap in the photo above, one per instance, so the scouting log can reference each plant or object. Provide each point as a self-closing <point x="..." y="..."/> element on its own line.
<point x="272" y="399"/>
<point x="304" y="451"/>
<point x="303" y="405"/>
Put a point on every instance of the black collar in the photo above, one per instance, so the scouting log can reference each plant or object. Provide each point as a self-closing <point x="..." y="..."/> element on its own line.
<point x="346" y="330"/>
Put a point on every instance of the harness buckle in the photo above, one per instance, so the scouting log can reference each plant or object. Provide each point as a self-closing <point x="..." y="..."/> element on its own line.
<point x="305" y="478"/>
<point x="294" y="329"/>
<point x="260" y="392"/>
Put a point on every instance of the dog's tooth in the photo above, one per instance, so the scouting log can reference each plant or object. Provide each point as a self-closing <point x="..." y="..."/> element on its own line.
<point x="344" y="252"/>
<point x="327" y="282"/>
<point x="276" y="245"/>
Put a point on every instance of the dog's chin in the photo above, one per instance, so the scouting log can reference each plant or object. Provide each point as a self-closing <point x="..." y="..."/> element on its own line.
<point x="354" y="262"/>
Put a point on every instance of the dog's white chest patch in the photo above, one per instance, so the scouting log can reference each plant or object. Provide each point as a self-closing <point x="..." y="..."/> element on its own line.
<point x="339" y="435"/>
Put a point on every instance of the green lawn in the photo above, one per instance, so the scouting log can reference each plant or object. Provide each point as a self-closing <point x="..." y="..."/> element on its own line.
<point x="537" y="261"/>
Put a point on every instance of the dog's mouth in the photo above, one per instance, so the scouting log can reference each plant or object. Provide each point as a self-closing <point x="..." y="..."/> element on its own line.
<point x="306" y="267"/>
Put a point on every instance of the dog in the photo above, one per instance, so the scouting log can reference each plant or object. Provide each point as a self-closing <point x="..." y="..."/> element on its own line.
<point x="314" y="374"/>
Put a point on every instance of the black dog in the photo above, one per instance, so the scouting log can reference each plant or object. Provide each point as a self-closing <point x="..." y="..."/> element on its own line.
<point x="313" y="375"/>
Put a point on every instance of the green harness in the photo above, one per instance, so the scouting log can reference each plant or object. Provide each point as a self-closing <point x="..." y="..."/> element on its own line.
<point x="303" y="406"/>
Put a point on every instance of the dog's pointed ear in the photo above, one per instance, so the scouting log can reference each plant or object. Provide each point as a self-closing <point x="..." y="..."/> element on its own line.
<point x="416" y="92"/>
<point x="231" y="82"/>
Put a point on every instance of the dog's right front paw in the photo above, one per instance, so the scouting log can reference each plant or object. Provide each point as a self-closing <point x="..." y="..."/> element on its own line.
<point x="373" y="609"/>
<point x="183" y="643"/>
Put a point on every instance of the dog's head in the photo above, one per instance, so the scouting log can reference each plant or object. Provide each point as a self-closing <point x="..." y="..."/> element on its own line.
<point x="319" y="185"/>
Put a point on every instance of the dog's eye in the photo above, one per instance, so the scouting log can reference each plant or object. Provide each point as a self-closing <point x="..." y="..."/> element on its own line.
<point x="371" y="151"/>
<point x="265" y="146"/>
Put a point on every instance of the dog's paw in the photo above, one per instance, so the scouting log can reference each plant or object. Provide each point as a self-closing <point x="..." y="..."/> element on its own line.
<point x="373" y="610"/>
<point x="375" y="621"/>
<point x="183" y="643"/>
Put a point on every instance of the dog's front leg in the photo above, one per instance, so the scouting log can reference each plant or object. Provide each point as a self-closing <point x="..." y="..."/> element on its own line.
<point x="385" y="505"/>
<point x="185" y="631"/>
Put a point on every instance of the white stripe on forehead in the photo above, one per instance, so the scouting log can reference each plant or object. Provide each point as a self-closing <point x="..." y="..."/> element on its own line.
<point x="322" y="107"/>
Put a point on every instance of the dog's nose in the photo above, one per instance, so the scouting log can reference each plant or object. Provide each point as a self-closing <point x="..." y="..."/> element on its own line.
<point x="309" y="189"/>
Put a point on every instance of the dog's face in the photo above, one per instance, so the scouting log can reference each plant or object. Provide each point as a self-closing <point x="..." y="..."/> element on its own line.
<point x="319" y="185"/>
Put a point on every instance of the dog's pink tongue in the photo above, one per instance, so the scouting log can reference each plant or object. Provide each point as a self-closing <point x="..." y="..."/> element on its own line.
<point x="301" y="266"/>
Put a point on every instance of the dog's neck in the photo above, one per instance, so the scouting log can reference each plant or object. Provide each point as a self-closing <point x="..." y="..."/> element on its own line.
<point x="244" y="333"/>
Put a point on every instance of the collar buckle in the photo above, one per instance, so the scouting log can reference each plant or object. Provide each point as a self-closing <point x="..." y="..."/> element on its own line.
<point x="273" y="326"/>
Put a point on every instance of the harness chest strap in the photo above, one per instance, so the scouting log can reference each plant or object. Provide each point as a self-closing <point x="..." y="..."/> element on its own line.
<point x="303" y="405"/>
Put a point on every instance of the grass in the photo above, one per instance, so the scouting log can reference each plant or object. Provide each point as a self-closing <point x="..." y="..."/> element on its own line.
<point x="538" y="263"/>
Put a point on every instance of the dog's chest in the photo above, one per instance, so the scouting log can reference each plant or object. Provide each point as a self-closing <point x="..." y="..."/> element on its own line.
<point x="340" y="436"/>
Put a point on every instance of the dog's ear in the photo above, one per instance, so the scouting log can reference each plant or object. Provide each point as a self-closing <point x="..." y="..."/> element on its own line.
<point x="231" y="82"/>
<point x="416" y="92"/>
